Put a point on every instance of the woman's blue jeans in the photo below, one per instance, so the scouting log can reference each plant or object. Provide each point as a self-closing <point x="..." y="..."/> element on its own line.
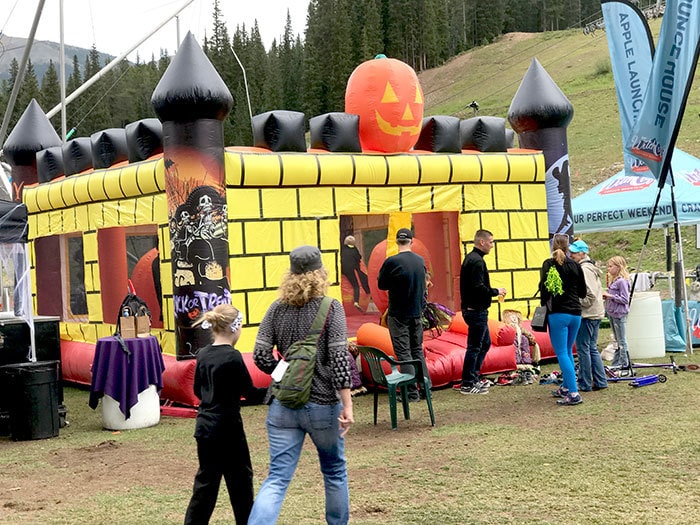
<point x="562" y="332"/>
<point x="590" y="364"/>
<point x="286" y="430"/>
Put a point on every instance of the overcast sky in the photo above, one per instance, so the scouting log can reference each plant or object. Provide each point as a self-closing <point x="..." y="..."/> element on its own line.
<point x="115" y="26"/>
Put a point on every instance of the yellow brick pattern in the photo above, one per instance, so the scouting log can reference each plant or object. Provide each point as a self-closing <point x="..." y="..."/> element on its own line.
<point x="276" y="202"/>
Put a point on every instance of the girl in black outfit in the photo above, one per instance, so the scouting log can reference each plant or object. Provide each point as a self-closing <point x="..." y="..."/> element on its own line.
<point x="221" y="378"/>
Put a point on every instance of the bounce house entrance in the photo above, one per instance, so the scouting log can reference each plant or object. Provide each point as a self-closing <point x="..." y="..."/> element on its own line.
<point x="365" y="240"/>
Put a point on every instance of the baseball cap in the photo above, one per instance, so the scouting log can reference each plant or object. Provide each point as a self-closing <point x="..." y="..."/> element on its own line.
<point x="404" y="234"/>
<point x="304" y="259"/>
<point x="578" y="246"/>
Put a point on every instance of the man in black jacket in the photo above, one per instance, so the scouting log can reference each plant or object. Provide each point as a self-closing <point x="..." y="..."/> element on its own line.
<point x="403" y="276"/>
<point x="476" y="292"/>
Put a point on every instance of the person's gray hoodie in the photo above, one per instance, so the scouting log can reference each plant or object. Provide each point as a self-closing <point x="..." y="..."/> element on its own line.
<point x="592" y="306"/>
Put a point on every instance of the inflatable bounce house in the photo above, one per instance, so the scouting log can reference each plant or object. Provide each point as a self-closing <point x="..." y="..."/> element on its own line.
<point x="193" y="223"/>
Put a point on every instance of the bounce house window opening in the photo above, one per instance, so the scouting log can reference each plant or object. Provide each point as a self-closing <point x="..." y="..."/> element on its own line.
<point x="364" y="241"/>
<point x="138" y="244"/>
<point x="129" y="254"/>
<point x="73" y="278"/>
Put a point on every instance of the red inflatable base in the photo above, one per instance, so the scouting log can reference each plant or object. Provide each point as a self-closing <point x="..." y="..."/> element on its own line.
<point x="178" y="377"/>
<point x="444" y="354"/>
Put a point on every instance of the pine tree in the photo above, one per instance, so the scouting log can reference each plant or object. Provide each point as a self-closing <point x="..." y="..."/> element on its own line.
<point x="29" y="89"/>
<point x="291" y="68"/>
<point x="273" y="86"/>
<point x="74" y="79"/>
<point x="50" y="94"/>
<point x="371" y="42"/>
<point x="93" y="113"/>
<point x="328" y="56"/>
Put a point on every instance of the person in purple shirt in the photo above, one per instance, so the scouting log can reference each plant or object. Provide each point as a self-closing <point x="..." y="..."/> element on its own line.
<point x="617" y="306"/>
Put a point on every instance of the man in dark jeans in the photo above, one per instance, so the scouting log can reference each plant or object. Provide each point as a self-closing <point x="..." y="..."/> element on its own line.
<point x="476" y="292"/>
<point x="403" y="276"/>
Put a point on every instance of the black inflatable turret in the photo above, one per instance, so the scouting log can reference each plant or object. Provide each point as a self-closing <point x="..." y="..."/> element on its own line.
<point x="539" y="114"/>
<point x="49" y="163"/>
<point x="108" y="147"/>
<point x="77" y="155"/>
<point x="32" y="133"/>
<point x="485" y="134"/>
<point x="279" y="130"/>
<point x="192" y="101"/>
<point x="191" y="89"/>
<point x="439" y="134"/>
<point x="144" y="138"/>
<point x="336" y="132"/>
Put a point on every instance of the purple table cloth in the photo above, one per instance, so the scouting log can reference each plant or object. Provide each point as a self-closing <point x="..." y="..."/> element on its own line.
<point x="123" y="377"/>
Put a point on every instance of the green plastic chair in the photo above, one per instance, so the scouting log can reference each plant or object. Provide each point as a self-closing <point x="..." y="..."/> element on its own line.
<point x="396" y="380"/>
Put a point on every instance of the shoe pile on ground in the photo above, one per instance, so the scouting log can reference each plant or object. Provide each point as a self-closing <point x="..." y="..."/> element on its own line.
<point x="551" y="379"/>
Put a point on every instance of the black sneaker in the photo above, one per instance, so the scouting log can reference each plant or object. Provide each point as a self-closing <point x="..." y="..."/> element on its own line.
<point x="560" y="392"/>
<point x="476" y="389"/>
<point x="570" y="399"/>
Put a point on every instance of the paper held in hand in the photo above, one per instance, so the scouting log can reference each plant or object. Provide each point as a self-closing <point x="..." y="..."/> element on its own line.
<point x="279" y="370"/>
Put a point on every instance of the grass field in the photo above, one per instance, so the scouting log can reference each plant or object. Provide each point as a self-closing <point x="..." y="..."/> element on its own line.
<point x="626" y="455"/>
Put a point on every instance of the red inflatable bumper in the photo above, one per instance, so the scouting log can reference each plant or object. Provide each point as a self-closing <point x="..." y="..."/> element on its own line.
<point x="444" y="354"/>
<point x="178" y="377"/>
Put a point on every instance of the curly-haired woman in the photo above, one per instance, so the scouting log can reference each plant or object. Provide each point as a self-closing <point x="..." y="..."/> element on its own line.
<point x="328" y="415"/>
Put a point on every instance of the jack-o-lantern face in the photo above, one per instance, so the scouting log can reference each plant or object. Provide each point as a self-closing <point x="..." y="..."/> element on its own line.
<point x="387" y="96"/>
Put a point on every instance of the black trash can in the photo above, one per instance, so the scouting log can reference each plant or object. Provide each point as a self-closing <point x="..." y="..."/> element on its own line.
<point x="32" y="389"/>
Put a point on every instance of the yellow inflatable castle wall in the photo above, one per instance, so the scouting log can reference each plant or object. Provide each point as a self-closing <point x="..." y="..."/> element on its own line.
<point x="277" y="201"/>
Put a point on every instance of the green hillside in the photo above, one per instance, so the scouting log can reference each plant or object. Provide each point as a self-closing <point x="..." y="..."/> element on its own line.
<point x="580" y="65"/>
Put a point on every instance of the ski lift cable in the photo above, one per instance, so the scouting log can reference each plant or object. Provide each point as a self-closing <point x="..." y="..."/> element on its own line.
<point x="461" y="92"/>
<point x="89" y="99"/>
<point x="515" y="56"/>
<point x="4" y="25"/>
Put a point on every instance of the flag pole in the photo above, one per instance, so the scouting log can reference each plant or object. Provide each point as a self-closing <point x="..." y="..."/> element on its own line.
<point x="646" y="239"/>
<point x="679" y="270"/>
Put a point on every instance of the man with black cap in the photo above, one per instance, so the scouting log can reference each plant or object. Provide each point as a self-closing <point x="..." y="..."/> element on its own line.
<point x="403" y="276"/>
<point x="476" y="292"/>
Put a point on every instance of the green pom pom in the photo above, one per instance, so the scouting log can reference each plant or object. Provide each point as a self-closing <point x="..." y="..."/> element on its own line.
<point x="553" y="282"/>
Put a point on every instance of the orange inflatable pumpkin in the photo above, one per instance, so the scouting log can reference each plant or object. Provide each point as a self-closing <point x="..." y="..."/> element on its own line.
<point x="387" y="96"/>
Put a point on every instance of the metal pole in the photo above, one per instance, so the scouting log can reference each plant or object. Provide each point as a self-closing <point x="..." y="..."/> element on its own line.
<point x="114" y="62"/>
<point x="177" y="30"/>
<point x="20" y="73"/>
<point x="62" y="65"/>
<point x="679" y="254"/>
<point x="245" y="83"/>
